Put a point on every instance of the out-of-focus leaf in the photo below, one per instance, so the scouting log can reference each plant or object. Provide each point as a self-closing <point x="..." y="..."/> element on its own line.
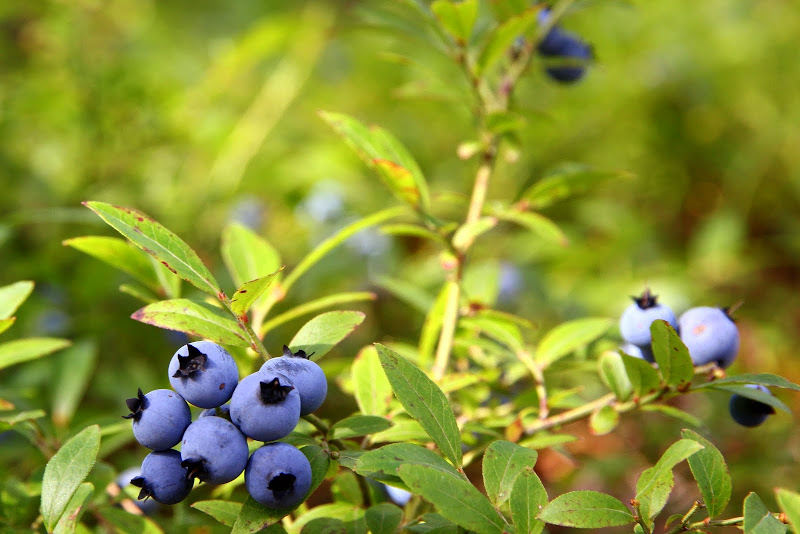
<point x="159" y="242"/>
<point x="528" y="497"/>
<point x="225" y="512"/>
<point x="568" y="337"/>
<point x="569" y="180"/>
<point x="458" y="18"/>
<point x="499" y="329"/>
<point x="503" y="462"/>
<point x="764" y="379"/>
<point x="644" y="378"/>
<point x="371" y="387"/>
<point x="468" y="232"/>
<point x="789" y="501"/>
<point x="383" y="518"/>
<point x="456" y="499"/>
<point x="758" y="519"/>
<point x="535" y="222"/>
<point x="325" y="331"/>
<point x="414" y="230"/>
<point x="671" y="354"/>
<point x="314" y="306"/>
<point x="613" y="373"/>
<point x="586" y="509"/>
<point x="193" y="317"/>
<point x="676" y="413"/>
<point x="603" y="420"/>
<point x="249" y="292"/>
<point x="542" y="440"/>
<point x="126" y="523"/>
<point x="23" y="350"/>
<point x="344" y="516"/>
<point x="5" y="324"/>
<point x="118" y="253"/>
<point x="503" y="37"/>
<point x="655" y="484"/>
<point x="138" y="292"/>
<point x="433" y="322"/>
<point x="9" y="420"/>
<point x="359" y="425"/>
<point x="711" y="473"/>
<point x="423" y="401"/>
<point x="12" y="296"/>
<point x="65" y="471"/>
<point x="247" y="255"/>
<point x="752" y="393"/>
<point x="74" y="509"/>
<point x="75" y="367"/>
<point x="408" y="292"/>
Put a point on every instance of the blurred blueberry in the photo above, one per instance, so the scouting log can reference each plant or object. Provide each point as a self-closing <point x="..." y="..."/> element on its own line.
<point x="749" y="412"/>
<point x="511" y="281"/>
<point x="323" y="203"/>
<point x="123" y="480"/>
<point x="369" y="242"/>
<point x="248" y="211"/>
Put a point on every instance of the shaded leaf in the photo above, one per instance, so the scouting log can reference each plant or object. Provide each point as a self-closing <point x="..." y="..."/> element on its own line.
<point x="468" y="232"/>
<point x="711" y="473"/>
<point x="325" y="331"/>
<point x="423" y="401"/>
<point x="372" y="390"/>
<point x="126" y="523"/>
<point x="225" y="512"/>
<point x="457" y="18"/>
<point x="757" y="519"/>
<point x="359" y="425"/>
<point x="5" y="324"/>
<point x="314" y="306"/>
<point x="568" y="337"/>
<point x="752" y="393"/>
<point x="120" y="254"/>
<point x="789" y="501"/>
<point x="74" y="509"/>
<point x="433" y="322"/>
<point x="564" y="182"/>
<point x="75" y="368"/>
<point x="655" y="484"/>
<point x="12" y="296"/>
<point x="603" y="420"/>
<point x="347" y="518"/>
<point x="23" y="350"/>
<point x="247" y="255"/>
<point x="613" y="373"/>
<point x="534" y="222"/>
<point x="586" y="509"/>
<point x="9" y="420"/>
<point x="503" y="37"/>
<point x="671" y="354"/>
<point x="643" y="376"/>
<point x="503" y="462"/>
<point x="381" y="464"/>
<point x="676" y="413"/>
<point x="193" y="317"/>
<point x="528" y="497"/>
<point x="410" y="293"/>
<point x="764" y="379"/>
<point x="383" y="518"/>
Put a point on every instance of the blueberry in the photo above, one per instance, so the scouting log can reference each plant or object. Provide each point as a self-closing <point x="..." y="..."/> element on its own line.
<point x="265" y="407"/>
<point x="710" y="335"/>
<point x="204" y="373"/>
<point x="644" y="352"/>
<point x="278" y="475"/>
<point x="634" y="325"/>
<point x="214" y="450"/>
<point x="305" y="375"/>
<point x="159" y="418"/>
<point x="569" y="50"/>
<point x="398" y="496"/>
<point x="147" y="506"/>
<point x="163" y="477"/>
<point x="749" y="412"/>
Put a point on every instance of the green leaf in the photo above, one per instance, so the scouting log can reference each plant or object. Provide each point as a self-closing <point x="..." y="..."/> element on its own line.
<point x="65" y="471"/>
<point x="499" y="329"/>
<point x="383" y="518"/>
<point x="381" y="464"/>
<point x="359" y="425"/>
<point x="12" y="296"/>
<point x="423" y="401"/>
<point x="586" y="509"/>
<point x="711" y="473"/>
<point x="193" y="317"/>
<point x="503" y="37"/>
<point x="408" y="292"/>
<point x="613" y="373"/>
<point x="247" y="255"/>
<point x="528" y="497"/>
<point x="603" y="420"/>
<point x="568" y="337"/>
<point x="170" y="285"/>
<point x="23" y="350"/>
<point x="456" y="499"/>
<point x="752" y="393"/>
<point x="324" y="525"/>
<point x="543" y="440"/>
<point x="347" y="519"/>
<point x="320" y="461"/>
<point x="323" y="332"/>
<point x="671" y="354"/>
<point x="567" y="181"/>
<point x="119" y="254"/>
<point x="9" y="420"/>
<point x="138" y="292"/>
<point x="159" y="242"/>
<point x="371" y="387"/>
<point x="789" y="501"/>
<point x="414" y="230"/>
<point x="535" y="222"/>
<point x="503" y="462"/>
<point x="468" y="232"/>
<point x="758" y="520"/>
<point x="225" y="512"/>
<point x="676" y="413"/>
<point x="249" y="292"/>
<point x="126" y="523"/>
<point x="5" y="324"/>
<point x="433" y="322"/>
<point x="643" y="376"/>
<point x="655" y="484"/>
<point x="764" y="379"/>
<point x="314" y="306"/>
<point x="75" y="368"/>
<point x="384" y="154"/>
<point x="253" y="517"/>
<point x="74" y="509"/>
<point x="458" y="18"/>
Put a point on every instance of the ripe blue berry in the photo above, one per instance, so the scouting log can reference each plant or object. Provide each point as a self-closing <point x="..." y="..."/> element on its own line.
<point x="305" y="375"/>
<point x="204" y="373"/>
<point x="570" y="52"/>
<point x="163" y="478"/>
<point x="265" y="407"/>
<point x="398" y="496"/>
<point x="123" y="480"/>
<point x="750" y="412"/>
<point x="278" y="475"/>
<point x="159" y="418"/>
<point x="645" y="352"/>
<point x="214" y="450"/>
<point x="634" y="325"/>
<point x="710" y="335"/>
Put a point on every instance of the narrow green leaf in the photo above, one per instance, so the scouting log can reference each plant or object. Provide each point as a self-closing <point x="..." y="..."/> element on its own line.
<point x="126" y="523"/>
<point x="528" y="497"/>
<point x="789" y="501"/>
<point x="65" y="471"/>
<point x="23" y="350"/>
<point x="613" y="373"/>
<point x="408" y="292"/>
<point x="671" y="354"/>
<point x="75" y="368"/>
<point x="499" y="329"/>
<point x="543" y="440"/>
<point x="764" y="379"/>
<point x="643" y="376"/>
<point x="9" y="420"/>
<point x="247" y="255"/>
<point x="383" y="518"/>
<point x="413" y="230"/>
<point x="12" y="296"/>
<point x="586" y="509"/>
<point x="655" y="484"/>
<point x="381" y="464"/>
<point x="347" y="518"/>
<point x="170" y="285"/>
<point x="564" y="182"/>
<point x="752" y="393"/>
<point x="568" y="337"/>
<point x="757" y="519"/>
<point x="74" y="509"/>
<point x="423" y="401"/>
<point x="458" y="18"/>
<point x="534" y="222"/>
<point x="138" y="292"/>
<point x="250" y="291"/>
<point x="603" y="420"/>
<point x="468" y="232"/>
<point x="503" y="37"/>
<point x="225" y="512"/>
<point x="359" y="425"/>
<point x="5" y="324"/>
<point x="456" y="499"/>
<point x="159" y="242"/>
<point x="314" y="306"/>
<point x="711" y="473"/>
<point x="433" y="322"/>
<point x="193" y="317"/>
<point x="371" y="387"/>
<point x="503" y="462"/>
<point x="325" y="331"/>
<point x="118" y="253"/>
<point x="676" y="413"/>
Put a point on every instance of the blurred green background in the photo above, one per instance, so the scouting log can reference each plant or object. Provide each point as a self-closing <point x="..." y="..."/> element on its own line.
<point x="201" y="113"/>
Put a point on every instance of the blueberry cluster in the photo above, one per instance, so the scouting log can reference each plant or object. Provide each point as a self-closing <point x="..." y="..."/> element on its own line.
<point x="265" y="406"/>
<point x="567" y="54"/>
<point x="710" y="335"/>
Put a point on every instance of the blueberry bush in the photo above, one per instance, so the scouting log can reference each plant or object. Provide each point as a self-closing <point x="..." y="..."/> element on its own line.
<point x="376" y="292"/>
